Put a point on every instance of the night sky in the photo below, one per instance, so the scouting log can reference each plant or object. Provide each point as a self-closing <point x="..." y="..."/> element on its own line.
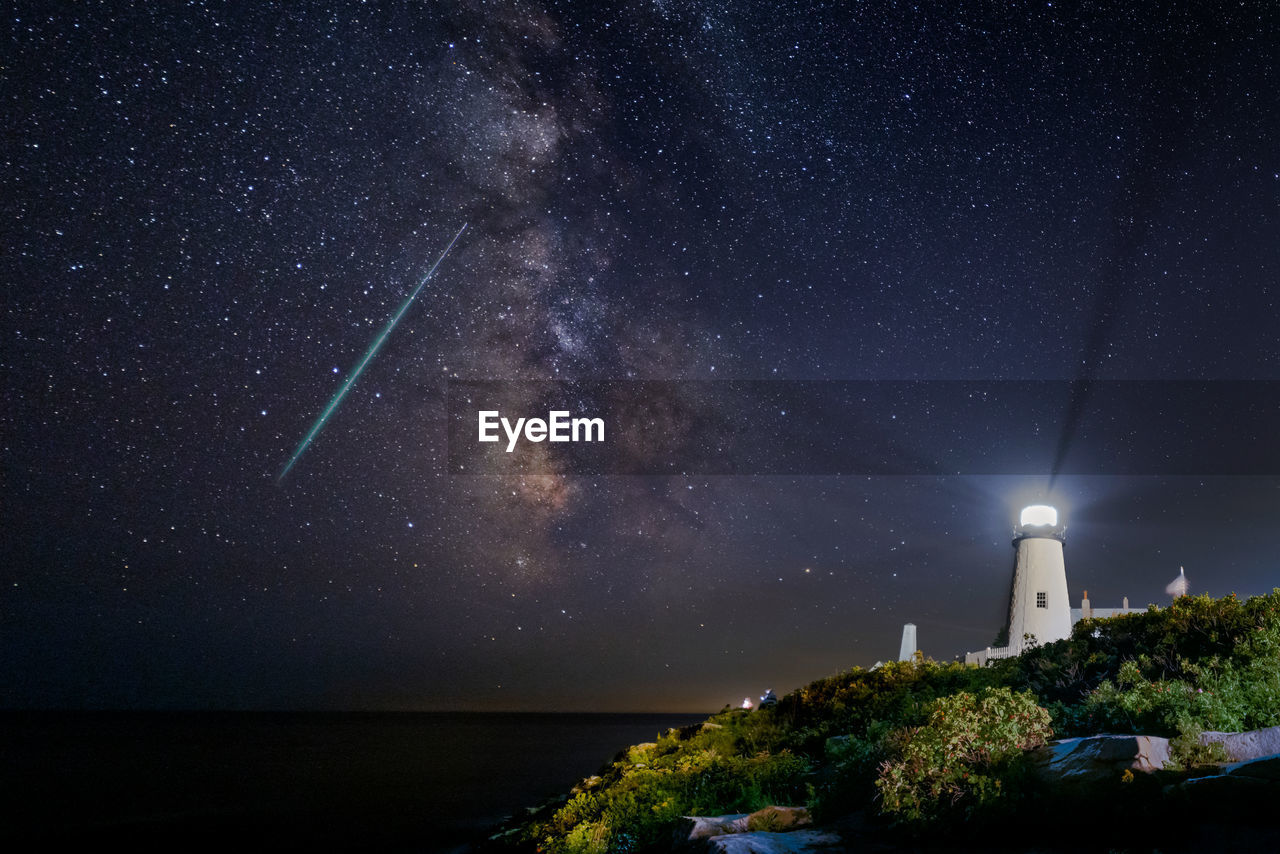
<point x="210" y="210"/>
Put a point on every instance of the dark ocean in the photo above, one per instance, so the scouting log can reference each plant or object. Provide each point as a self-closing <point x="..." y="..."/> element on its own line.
<point x="248" y="781"/>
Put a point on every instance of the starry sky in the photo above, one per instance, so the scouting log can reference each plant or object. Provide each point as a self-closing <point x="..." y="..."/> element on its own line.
<point x="210" y="210"/>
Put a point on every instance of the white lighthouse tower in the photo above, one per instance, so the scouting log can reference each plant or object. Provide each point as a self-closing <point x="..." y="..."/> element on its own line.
<point x="907" y="652"/>
<point x="1039" y="607"/>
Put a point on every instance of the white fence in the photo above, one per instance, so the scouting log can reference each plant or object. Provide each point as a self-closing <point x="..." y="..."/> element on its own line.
<point x="982" y="656"/>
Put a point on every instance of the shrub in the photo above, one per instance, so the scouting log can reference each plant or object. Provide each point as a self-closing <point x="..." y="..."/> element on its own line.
<point x="587" y="838"/>
<point x="644" y="800"/>
<point x="1186" y="751"/>
<point x="852" y="766"/>
<point x="940" y="740"/>
<point x="1134" y="704"/>
<point x="959" y="759"/>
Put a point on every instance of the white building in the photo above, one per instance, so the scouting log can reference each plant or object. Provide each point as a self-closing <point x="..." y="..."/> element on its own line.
<point x="1039" y="609"/>
<point x="907" y="652"/>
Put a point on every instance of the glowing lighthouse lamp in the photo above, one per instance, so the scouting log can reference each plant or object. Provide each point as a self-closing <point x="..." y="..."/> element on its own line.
<point x="1038" y="516"/>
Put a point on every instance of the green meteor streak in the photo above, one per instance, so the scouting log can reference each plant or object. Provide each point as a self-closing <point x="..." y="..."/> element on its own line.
<point x="369" y="354"/>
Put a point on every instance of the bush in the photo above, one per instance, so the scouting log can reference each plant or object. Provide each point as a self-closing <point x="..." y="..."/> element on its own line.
<point x="1186" y="751"/>
<point x="959" y="759"/>
<point x="1168" y="643"/>
<point x="1233" y="692"/>
<point x="940" y="740"/>
<point x="644" y="800"/>
<point x="852" y="766"/>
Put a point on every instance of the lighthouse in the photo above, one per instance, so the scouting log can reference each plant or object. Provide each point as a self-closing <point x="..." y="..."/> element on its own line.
<point x="1039" y="607"/>
<point x="907" y="652"/>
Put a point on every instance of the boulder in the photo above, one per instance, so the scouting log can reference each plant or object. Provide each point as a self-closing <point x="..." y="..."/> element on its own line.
<point x="795" y="842"/>
<point x="1243" y="746"/>
<point x="1263" y="768"/>
<point x="693" y="828"/>
<point x="1099" y="758"/>
<point x="1243" y="790"/>
<point x="1219" y="787"/>
<point x="588" y="784"/>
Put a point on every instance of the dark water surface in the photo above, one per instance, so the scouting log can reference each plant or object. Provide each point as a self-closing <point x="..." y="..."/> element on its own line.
<point x="320" y="781"/>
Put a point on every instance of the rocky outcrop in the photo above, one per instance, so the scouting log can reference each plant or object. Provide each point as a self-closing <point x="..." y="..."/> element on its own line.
<point x="1243" y="746"/>
<point x="707" y="832"/>
<point x="588" y="784"/>
<point x="694" y="828"/>
<point x="1099" y="758"/>
<point x="1244" y="790"/>
<point x="1264" y="770"/>
<point x="795" y="842"/>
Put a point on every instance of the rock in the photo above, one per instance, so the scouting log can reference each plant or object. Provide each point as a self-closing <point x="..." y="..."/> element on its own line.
<point x="1219" y="787"/>
<point x="588" y="784"/>
<point x="695" y="827"/>
<point x="1099" y="758"/>
<point x="1242" y="791"/>
<point x="1243" y="746"/>
<point x="779" y="819"/>
<point x="550" y="803"/>
<point x="1263" y="768"/>
<point x="509" y="836"/>
<point x="796" y="842"/>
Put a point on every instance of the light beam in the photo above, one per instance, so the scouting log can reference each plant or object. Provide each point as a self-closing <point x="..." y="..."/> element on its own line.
<point x="369" y="354"/>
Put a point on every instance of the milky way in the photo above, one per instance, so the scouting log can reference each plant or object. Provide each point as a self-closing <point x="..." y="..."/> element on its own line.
<point x="210" y="211"/>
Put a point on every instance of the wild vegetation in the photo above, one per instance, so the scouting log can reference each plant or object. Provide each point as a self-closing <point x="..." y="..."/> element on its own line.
<point x="922" y="744"/>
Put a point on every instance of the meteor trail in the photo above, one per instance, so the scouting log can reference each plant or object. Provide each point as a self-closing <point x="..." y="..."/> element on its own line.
<point x="369" y="354"/>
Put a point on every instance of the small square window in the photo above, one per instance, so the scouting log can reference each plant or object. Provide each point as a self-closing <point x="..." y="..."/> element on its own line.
<point x="1042" y="600"/>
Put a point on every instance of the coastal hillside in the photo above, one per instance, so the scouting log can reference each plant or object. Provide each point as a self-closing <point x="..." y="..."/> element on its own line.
<point x="924" y="753"/>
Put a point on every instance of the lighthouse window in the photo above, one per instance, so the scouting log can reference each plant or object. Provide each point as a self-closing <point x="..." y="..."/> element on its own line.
<point x="1042" y="600"/>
